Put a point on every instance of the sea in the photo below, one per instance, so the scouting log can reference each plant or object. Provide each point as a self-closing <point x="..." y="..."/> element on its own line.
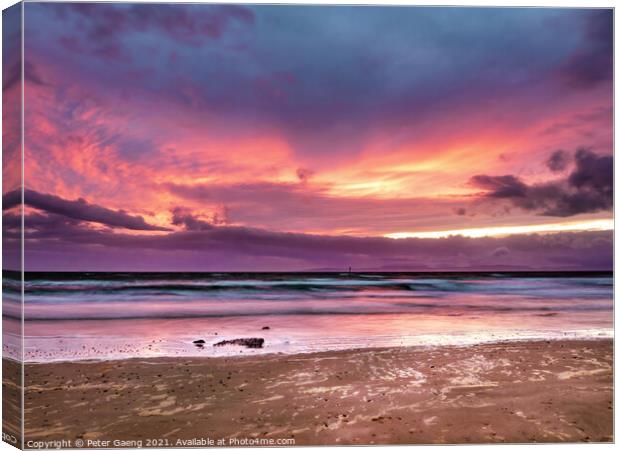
<point x="91" y="315"/>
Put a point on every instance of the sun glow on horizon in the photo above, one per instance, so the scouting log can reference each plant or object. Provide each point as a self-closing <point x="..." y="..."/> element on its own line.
<point x="590" y="225"/>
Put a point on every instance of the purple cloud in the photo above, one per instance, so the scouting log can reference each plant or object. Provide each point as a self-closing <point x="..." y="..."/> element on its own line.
<point x="182" y="216"/>
<point x="296" y="206"/>
<point x="78" y="209"/>
<point x="588" y="188"/>
<point x="53" y="241"/>
<point x="558" y="161"/>
<point x="501" y="186"/>
<point x="14" y="73"/>
<point x="104" y="26"/>
<point x="592" y="62"/>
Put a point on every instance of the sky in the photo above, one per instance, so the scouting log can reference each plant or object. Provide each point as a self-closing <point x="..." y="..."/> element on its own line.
<point x="289" y="138"/>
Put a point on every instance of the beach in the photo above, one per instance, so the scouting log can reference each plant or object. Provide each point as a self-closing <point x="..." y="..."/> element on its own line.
<point x="519" y="391"/>
<point x="300" y="225"/>
<point x="153" y="359"/>
<point x="92" y="316"/>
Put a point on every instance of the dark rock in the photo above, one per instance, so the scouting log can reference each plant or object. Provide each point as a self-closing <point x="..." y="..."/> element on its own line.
<point x="247" y="342"/>
<point x="266" y="327"/>
<point x="199" y="342"/>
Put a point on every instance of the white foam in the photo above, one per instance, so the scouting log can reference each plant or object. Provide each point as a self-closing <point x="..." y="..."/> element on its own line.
<point x="80" y="349"/>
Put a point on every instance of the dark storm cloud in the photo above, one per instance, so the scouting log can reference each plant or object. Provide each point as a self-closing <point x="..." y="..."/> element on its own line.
<point x="558" y="161"/>
<point x="593" y="172"/>
<point x="501" y="186"/>
<point x="76" y="209"/>
<point x="587" y="189"/>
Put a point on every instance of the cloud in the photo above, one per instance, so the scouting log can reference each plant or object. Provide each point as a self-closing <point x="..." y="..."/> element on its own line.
<point x="302" y="206"/>
<point x="501" y="186"/>
<point x="365" y="76"/>
<point x="64" y="244"/>
<point x="369" y="110"/>
<point x="558" y="161"/>
<point x="587" y="189"/>
<point x="583" y="122"/>
<point x="593" y="172"/>
<point x="182" y="216"/>
<point x="78" y="209"/>
<point x="105" y="26"/>
<point x="592" y="62"/>
<point x="14" y="74"/>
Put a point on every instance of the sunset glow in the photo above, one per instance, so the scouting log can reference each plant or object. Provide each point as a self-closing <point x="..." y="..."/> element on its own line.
<point x="373" y="225"/>
<point x="599" y="224"/>
<point x="277" y="127"/>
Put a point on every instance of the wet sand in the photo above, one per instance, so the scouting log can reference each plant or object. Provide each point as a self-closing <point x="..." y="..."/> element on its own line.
<point x="557" y="391"/>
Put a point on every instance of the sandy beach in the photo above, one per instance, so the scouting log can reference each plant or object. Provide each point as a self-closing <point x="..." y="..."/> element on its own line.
<point x="300" y="225"/>
<point x="544" y="391"/>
